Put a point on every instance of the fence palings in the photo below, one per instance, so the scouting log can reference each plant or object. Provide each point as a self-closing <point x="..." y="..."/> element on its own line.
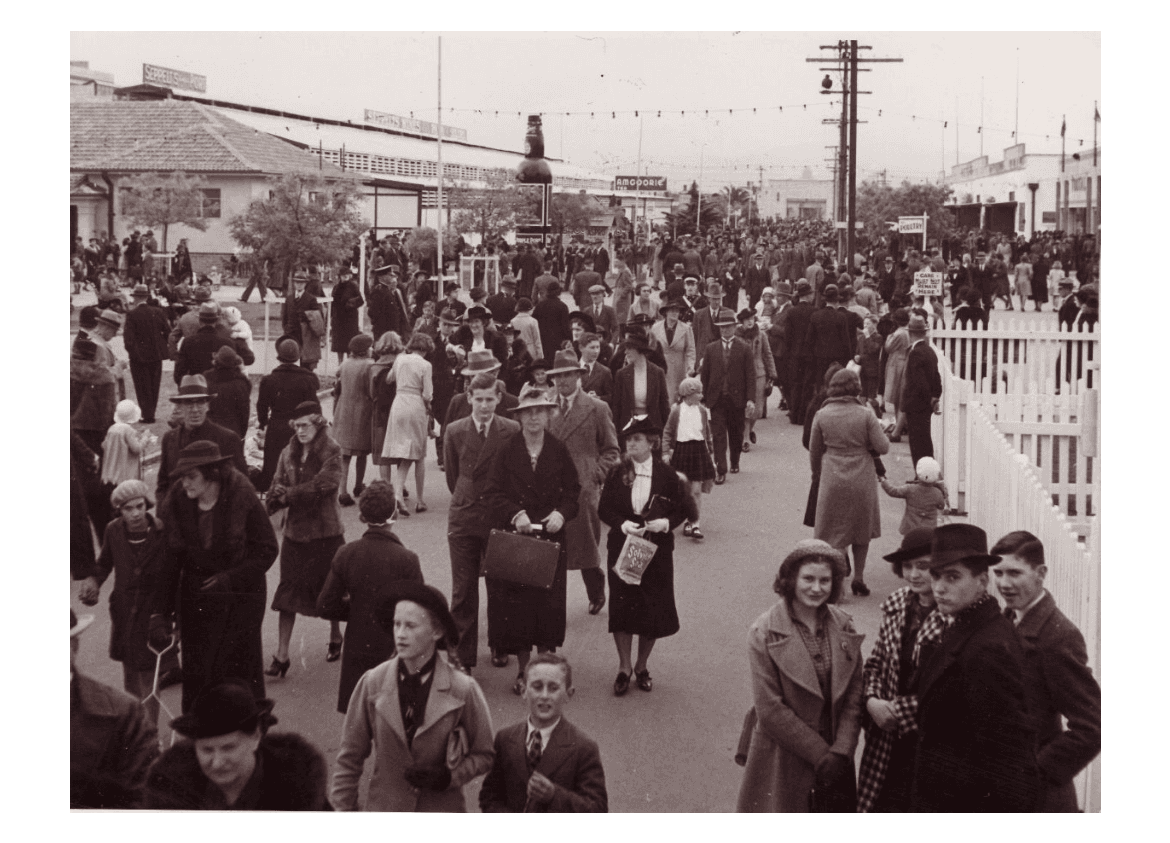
<point x="1023" y="353"/>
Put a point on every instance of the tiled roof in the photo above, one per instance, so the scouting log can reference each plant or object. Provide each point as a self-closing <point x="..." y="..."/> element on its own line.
<point x="165" y="135"/>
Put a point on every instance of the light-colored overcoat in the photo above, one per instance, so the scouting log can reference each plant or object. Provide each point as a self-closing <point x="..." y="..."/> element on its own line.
<point x="587" y="430"/>
<point x="785" y="744"/>
<point x="374" y="722"/>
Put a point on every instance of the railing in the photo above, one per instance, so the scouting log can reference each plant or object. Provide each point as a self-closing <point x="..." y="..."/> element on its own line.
<point x="1004" y="494"/>
<point x="1024" y="356"/>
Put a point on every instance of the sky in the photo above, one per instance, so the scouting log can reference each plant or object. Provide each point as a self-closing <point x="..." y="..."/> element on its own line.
<point x="492" y="81"/>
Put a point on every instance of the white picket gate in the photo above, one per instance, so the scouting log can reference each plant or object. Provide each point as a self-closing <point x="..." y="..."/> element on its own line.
<point x="1023" y="356"/>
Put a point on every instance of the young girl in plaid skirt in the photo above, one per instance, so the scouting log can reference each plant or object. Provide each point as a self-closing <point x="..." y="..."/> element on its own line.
<point x="687" y="446"/>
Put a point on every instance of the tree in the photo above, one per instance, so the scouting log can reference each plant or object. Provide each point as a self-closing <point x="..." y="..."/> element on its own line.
<point x="879" y="204"/>
<point x="422" y="246"/>
<point x="572" y="213"/>
<point x="712" y="213"/>
<point x="734" y="199"/>
<point x="154" y="200"/>
<point x="489" y="212"/>
<point x="307" y="220"/>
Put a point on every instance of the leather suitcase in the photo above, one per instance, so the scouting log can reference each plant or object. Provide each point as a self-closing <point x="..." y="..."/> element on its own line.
<point x="523" y="559"/>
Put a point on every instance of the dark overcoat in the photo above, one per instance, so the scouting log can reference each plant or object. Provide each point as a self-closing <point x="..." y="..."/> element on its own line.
<point x="657" y="396"/>
<point x="176" y="440"/>
<point x="281" y="390"/>
<point x="362" y="575"/>
<point x="347" y="302"/>
<point x="136" y="580"/>
<point x="976" y="748"/>
<point x="1059" y="683"/>
<point x="520" y="616"/>
<point x="231" y="401"/>
<point x="648" y="608"/>
<point x="220" y="627"/>
<point x="111" y="746"/>
<point x="291" y="776"/>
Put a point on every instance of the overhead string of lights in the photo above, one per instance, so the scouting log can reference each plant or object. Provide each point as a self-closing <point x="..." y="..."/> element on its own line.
<point x="979" y="129"/>
<point x="640" y="112"/>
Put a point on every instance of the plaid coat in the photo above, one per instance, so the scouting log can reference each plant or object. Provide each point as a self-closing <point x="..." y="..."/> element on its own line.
<point x="880" y="679"/>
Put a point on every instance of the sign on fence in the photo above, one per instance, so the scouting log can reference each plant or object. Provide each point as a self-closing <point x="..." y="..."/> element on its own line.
<point x="927" y="283"/>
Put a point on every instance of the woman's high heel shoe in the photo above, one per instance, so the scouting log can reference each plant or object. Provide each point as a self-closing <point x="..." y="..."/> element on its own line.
<point x="278" y="667"/>
<point x="334" y="652"/>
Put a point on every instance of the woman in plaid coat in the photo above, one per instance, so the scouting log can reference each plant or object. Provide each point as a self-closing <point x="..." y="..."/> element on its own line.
<point x="910" y="623"/>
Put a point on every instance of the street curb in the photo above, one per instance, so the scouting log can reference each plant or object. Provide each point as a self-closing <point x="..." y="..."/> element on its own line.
<point x="154" y="456"/>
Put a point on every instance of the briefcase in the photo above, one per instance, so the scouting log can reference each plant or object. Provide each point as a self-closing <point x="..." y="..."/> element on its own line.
<point x="523" y="559"/>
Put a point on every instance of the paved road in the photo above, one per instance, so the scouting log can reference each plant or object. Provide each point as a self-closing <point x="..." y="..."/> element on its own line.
<point x="669" y="750"/>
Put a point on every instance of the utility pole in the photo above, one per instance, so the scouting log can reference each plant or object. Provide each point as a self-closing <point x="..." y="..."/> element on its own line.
<point x="846" y="64"/>
<point x="832" y="162"/>
<point x="439" y="173"/>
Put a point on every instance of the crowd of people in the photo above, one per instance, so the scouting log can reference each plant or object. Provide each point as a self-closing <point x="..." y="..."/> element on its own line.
<point x="549" y="421"/>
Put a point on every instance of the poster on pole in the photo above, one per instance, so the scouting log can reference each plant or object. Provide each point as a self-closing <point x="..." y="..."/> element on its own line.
<point x="927" y="283"/>
<point x="911" y="225"/>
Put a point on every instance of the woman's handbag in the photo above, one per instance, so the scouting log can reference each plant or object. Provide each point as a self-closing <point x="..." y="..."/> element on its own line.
<point x="636" y="555"/>
<point x="522" y="559"/>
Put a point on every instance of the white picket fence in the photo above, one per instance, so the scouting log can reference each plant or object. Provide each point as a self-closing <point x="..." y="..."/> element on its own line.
<point x="1022" y="356"/>
<point x="1004" y="493"/>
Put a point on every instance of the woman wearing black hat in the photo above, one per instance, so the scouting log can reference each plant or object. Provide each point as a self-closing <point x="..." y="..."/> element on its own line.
<point x="642" y="497"/>
<point x="909" y="623"/>
<point x="533" y="486"/>
<point x="231" y="391"/>
<point x="230" y="762"/>
<point x="425" y="721"/>
<point x="277" y="397"/>
<point x="307" y="482"/>
<point x="639" y="388"/>
<point x="220" y="544"/>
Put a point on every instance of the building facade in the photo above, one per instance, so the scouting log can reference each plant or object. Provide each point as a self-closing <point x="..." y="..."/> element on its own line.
<point x="804" y="198"/>
<point x="1024" y="193"/>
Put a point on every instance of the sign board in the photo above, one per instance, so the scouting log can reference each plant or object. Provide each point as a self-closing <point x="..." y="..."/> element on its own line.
<point x="410" y="124"/>
<point x="152" y="74"/>
<point x="844" y="224"/>
<point x="529" y="237"/>
<point x="911" y="225"/>
<point x="927" y="283"/>
<point x="656" y="184"/>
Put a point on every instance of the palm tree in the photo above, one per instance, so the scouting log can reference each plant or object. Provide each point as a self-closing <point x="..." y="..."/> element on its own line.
<point x="734" y="197"/>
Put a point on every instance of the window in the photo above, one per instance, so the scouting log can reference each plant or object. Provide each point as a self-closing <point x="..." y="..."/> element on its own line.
<point x="209" y="206"/>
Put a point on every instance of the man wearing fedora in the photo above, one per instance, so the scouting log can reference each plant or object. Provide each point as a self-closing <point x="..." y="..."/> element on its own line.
<point x="197" y="352"/>
<point x="922" y="389"/>
<point x="188" y="323"/>
<point x="977" y="744"/>
<point x="758" y="276"/>
<point x="387" y="307"/>
<point x="145" y="336"/>
<point x="729" y="391"/>
<point x="470" y="445"/>
<point x="106" y="327"/>
<point x="193" y="402"/>
<point x="1058" y="681"/>
<point x="111" y="741"/>
<point x="584" y="425"/>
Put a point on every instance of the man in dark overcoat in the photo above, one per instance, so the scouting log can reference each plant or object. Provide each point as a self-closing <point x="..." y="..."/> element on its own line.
<point x="194" y="401"/>
<point x="977" y="744"/>
<point x="831" y="337"/>
<point x="922" y="390"/>
<point x="799" y="355"/>
<point x="145" y="336"/>
<point x="1058" y="681"/>
<point x="387" y="308"/>
<point x="552" y="315"/>
<point x="728" y="374"/>
<point x="197" y="352"/>
<point x="470" y="445"/>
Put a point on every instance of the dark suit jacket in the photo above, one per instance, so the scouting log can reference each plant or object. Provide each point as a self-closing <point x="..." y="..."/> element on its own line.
<point x="552" y="315"/>
<point x="467" y="463"/>
<point x="976" y="746"/>
<point x="111" y="746"/>
<point x="607" y="321"/>
<point x="736" y="379"/>
<point x="832" y="334"/>
<point x="703" y="325"/>
<point x="571" y="761"/>
<point x="502" y="307"/>
<point x="145" y="334"/>
<point x="599" y="380"/>
<point x="756" y="279"/>
<point x="460" y="408"/>
<point x="174" y="441"/>
<point x="922" y="380"/>
<point x="1059" y="682"/>
<point x="657" y="396"/>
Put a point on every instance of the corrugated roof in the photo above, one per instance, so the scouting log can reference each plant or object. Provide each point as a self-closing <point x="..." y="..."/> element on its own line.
<point x="143" y="136"/>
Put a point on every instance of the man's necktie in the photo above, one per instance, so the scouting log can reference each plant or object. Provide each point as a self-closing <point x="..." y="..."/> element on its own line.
<point x="482" y="428"/>
<point x="534" y="750"/>
<point x="1010" y="614"/>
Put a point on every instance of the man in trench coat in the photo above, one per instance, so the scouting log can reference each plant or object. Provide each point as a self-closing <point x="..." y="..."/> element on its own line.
<point x="585" y="426"/>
